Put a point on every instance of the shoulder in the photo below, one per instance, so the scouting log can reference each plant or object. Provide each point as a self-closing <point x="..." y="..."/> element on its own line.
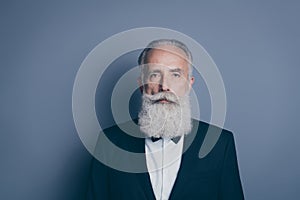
<point x="124" y="135"/>
<point x="210" y="137"/>
<point x="204" y="128"/>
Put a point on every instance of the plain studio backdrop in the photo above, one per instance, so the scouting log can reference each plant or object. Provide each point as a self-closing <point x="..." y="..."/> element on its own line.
<point x="255" y="46"/>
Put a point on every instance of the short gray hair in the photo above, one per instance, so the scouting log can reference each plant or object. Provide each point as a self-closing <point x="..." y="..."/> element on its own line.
<point x="162" y="42"/>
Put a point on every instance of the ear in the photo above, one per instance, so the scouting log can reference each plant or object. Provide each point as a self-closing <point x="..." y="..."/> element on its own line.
<point x="140" y="84"/>
<point x="192" y="80"/>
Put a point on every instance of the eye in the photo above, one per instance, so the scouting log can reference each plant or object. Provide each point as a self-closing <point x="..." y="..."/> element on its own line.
<point x="176" y="75"/>
<point x="154" y="76"/>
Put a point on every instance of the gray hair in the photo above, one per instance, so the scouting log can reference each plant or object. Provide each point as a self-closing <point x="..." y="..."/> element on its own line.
<point x="162" y="42"/>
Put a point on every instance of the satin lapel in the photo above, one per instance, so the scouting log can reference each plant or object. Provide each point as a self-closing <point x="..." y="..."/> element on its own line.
<point x="186" y="164"/>
<point x="180" y="180"/>
<point x="144" y="178"/>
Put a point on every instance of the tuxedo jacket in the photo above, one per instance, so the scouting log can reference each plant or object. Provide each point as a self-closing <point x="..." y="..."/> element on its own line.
<point x="123" y="176"/>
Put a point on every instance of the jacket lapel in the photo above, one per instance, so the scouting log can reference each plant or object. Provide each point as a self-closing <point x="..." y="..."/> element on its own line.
<point x="144" y="178"/>
<point x="186" y="164"/>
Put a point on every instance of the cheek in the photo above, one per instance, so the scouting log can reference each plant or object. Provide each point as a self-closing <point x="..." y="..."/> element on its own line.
<point x="180" y="88"/>
<point x="151" y="88"/>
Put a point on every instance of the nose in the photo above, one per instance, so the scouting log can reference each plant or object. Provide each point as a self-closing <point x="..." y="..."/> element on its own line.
<point x="164" y="85"/>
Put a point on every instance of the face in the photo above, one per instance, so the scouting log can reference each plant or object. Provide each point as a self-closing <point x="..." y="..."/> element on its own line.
<point x="167" y="71"/>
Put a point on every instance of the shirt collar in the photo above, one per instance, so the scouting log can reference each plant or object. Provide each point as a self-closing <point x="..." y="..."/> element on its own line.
<point x="175" y="139"/>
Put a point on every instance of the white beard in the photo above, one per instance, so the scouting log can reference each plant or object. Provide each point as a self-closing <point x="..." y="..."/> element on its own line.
<point x="166" y="120"/>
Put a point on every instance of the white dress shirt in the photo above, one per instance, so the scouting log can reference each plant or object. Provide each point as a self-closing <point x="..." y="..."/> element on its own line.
<point x="163" y="158"/>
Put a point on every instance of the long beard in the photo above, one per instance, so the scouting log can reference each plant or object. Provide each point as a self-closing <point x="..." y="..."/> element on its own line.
<point x="167" y="120"/>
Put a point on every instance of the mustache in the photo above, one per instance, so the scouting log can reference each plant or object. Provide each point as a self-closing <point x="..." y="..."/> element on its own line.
<point x="162" y="96"/>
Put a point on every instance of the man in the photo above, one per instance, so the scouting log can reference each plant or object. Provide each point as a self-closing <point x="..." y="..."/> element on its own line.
<point x="168" y="138"/>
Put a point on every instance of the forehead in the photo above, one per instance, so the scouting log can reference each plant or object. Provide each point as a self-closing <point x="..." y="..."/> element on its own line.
<point x="170" y="56"/>
<point x="167" y="51"/>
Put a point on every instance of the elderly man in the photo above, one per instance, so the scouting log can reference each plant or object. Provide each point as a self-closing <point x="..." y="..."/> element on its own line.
<point x="168" y="138"/>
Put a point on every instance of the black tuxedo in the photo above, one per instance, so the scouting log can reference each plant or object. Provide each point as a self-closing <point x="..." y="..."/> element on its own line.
<point x="214" y="177"/>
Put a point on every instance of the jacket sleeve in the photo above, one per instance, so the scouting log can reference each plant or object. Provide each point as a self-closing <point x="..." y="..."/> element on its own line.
<point x="230" y="184"/>
<point x="98" y="185"/>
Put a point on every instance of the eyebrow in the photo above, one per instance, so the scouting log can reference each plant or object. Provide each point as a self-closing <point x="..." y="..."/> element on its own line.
<point x="154" y="71"/>
<point x="171" y="70"/>
<point x="176" y="70"/>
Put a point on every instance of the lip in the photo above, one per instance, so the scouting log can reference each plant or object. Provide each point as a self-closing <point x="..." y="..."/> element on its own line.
<point x="164" y="101"/>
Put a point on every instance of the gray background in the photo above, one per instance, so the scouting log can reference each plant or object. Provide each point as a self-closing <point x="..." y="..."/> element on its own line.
<point x="42" y="44"/>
